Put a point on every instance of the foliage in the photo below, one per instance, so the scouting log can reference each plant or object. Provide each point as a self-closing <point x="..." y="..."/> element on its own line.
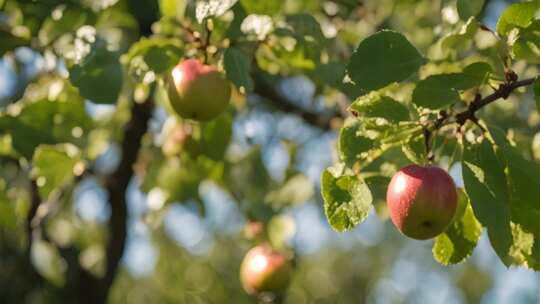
<point x="391" y="86"/>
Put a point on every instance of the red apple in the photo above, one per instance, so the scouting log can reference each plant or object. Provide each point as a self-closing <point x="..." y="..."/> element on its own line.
<point x="422" y="201"/>
<point x="197" y="91"/>
<point x="265" y="269"/>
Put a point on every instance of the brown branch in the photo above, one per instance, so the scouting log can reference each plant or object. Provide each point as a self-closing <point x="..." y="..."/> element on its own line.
<point x="117" y="184"/>
<point x="462" y="117"/>
<point x="264" y="89"/>
<point x="95" y="290"/>
<point x="34" y="205"/>
<point x="35" y="201"/>
<point x="503" y="92"/>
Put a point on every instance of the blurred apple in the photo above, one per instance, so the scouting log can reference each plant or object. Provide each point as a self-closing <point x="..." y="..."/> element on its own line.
<point x="265" y="269"/>
<point x="197" y="91"/>
<point x="422" y="201"/>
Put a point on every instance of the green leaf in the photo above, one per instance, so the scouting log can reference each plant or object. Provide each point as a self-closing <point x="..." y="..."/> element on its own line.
<point x="296" y="190"/>
<point x="262" y="7"/>
<point x="154" y="54"/>
<point x="524" y="175"/>
<point x="383" y="58"/>
<point x="469" y="8"/>
<point x="214" y="139"/>
<point x="378" y="185"/>
<point x="248" y="178"/>
<point x="517" y="15"/>
<point x="172" y="8"/>
<point x="438" y="91"/>
<point x="9" y="41"/>
<point x="415" y="149"/>
<point x="98" y="75"/>
<point x="473" y="75"/>
<point x="524" y="185"/>
<point x="375" y="105"/>
<point x="524" y="50"/>
<point x="304" y="54"/>
<point x="460" y="238"/>
<point x="238" y="67"/>
<point x="486" y="186"/>
<point x="280" y="230"/>
<point x="69" y="21"/>
<point x="118" y="27"/>
<point x="527" y="46"/>
<point x="347" y="200"/>
<point x="352" y="144"/>
<point x="212" y="8"/>
<point x="47" y="261"/>
<point x="49" y="122"/>
<point x="178" y="179"/>
<point x="332" y="74"/>
<point x="531" y="34"/>
<point x="536" y="88"/>
<point x="8" y="212"/>
<point x="306" y="27"/>
<point x="54" y="167"/>
<point x="461" y="37"/>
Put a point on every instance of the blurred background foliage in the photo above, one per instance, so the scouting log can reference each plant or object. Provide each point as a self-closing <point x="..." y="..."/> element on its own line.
<point x="70" y="73"/>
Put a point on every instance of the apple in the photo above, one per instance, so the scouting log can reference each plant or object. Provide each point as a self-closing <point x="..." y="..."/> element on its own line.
<point x="197" y="91"/>
<point x="422" y="201"/>
<point x="254" y="230"/>
<point x="265" y="269"/>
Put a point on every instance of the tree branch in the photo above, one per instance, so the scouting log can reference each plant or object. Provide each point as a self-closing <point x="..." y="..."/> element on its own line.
<point x="462" y="117"/>
<point x="503" y="92"/>
<point x="35" y="201"/>
<point x="116" y="185"/>
<point x="34" y="205"/>
<point x="264" y="89"/>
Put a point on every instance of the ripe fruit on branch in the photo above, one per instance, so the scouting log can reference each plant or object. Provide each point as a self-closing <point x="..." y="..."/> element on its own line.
<point x="197" y="91"/>
<point x="265" y="269"/>
<point x="422" y="201"/>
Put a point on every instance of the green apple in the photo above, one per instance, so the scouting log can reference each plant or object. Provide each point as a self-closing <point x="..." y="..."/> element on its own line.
<point x="197" y="91"/>
<point x="422" y="201"/>
<point x="265" y="269"/>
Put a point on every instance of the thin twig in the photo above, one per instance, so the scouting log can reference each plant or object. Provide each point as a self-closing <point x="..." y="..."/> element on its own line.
<point x="35" y="201"/>
<point x="503" y="92"/>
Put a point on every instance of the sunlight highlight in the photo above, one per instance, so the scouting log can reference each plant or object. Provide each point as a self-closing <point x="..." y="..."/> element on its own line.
<point x="178" y="75"/>
<point x="401" y="183"/>
<point x="259" y="263"/>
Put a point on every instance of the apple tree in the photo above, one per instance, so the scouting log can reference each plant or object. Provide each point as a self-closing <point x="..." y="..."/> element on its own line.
<point x="158" y="98"/>
<point x="440" y="107"/>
